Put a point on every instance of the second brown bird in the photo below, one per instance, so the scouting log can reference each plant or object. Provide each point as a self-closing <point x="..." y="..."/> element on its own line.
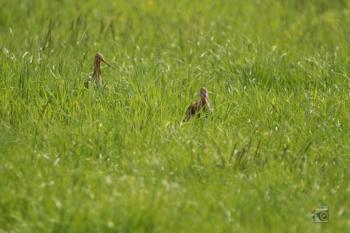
<point x="201" y="106"/>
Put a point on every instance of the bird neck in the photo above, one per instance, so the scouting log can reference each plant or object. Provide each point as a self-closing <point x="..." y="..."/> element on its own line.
<point x="97" y="68"/>
<point x="204" y="101"/>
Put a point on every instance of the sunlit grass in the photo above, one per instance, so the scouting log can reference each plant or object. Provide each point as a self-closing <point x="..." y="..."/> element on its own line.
<point x="118" y="158"/>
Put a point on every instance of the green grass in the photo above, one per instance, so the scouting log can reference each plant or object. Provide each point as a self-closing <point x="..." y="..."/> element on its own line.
<point x="118" y="159"/>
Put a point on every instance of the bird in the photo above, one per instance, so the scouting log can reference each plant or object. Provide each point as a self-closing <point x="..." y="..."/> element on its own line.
<point x="97" y="73"/>
<point x="201" y="106"/>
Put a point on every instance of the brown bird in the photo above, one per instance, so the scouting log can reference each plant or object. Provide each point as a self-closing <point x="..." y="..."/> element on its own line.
<point x="97" y="74"/>
<point x="202" y="105"/>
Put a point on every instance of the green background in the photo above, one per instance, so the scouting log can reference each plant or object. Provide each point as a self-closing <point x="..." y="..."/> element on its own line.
<point x="118" y="159"/>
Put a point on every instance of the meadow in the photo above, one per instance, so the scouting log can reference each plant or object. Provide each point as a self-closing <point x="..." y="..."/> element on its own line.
<point x="119" y="159"/>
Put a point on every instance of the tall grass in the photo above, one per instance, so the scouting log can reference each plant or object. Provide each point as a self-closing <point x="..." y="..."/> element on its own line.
<point x="118" y="159"/>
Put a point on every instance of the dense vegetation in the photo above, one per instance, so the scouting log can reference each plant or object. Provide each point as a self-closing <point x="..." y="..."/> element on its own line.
<point x="118" y="158"/>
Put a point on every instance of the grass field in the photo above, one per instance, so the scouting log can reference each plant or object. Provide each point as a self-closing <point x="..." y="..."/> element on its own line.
<point x="118" y="158"/>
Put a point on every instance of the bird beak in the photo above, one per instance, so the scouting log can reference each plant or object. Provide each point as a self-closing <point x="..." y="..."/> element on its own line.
<point x="106" y="63"/>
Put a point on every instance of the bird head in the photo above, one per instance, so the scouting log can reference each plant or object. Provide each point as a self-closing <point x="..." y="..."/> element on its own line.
<point x="203" y="93"/>
<point x="99" y="58"/>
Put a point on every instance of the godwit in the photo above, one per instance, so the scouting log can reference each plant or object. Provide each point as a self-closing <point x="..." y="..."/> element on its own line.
<point x="97" y="74"/>
<point x="202" y="105"/>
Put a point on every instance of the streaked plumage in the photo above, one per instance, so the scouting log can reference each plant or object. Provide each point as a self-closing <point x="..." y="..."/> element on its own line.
<point x="97" y="73"/>
<point x="201" y="106"/>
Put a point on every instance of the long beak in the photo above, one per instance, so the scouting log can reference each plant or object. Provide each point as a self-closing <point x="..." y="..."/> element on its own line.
<point x="107" y="63"/>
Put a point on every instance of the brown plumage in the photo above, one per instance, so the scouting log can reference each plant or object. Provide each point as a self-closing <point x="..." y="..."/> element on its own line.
<point x="97" y="74"/>
<point x="202" y="105"/>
